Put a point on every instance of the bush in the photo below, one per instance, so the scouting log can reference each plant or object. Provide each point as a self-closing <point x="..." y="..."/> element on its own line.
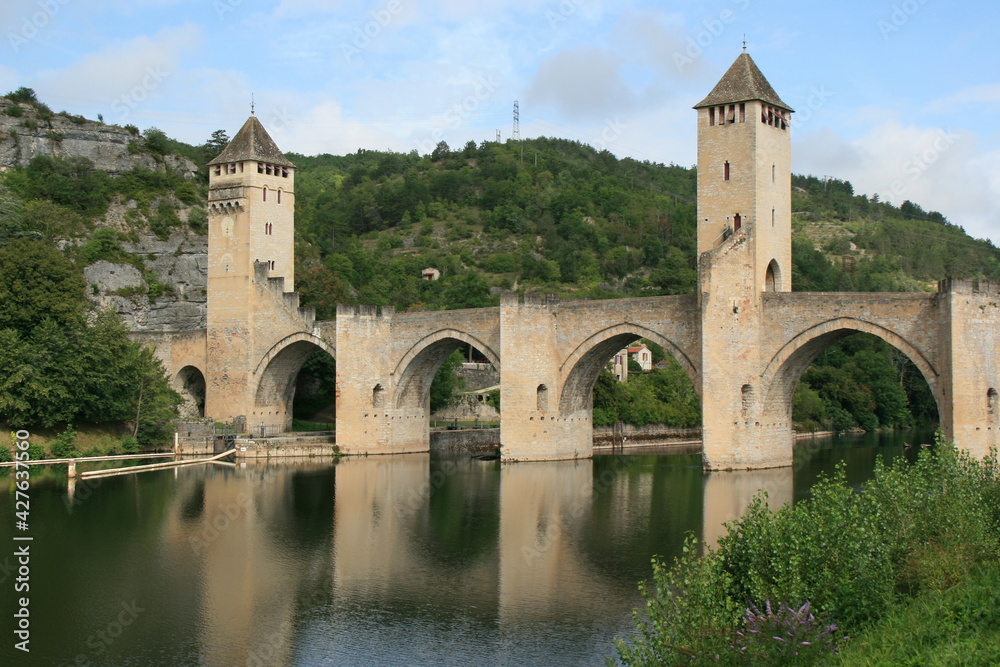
<point x="14" y="111"/>
<point x="130" y="445"/>
<point x="36" y="452"/>
<point x="857" y="558"/>
<point x="64" y="447"/>
<point x="23" y="94"/>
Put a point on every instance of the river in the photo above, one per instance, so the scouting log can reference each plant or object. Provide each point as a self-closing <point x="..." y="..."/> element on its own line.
<point x="403" y="560"/>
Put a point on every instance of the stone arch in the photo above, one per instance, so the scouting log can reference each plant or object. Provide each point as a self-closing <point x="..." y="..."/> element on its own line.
<point x="772" y="278"/>
<point x="415" y="371"/>
<point x="785" y="369"/>
<point x="190" y="384"/>
<point x="274" y="377"/>
<point x="584" y="364"/>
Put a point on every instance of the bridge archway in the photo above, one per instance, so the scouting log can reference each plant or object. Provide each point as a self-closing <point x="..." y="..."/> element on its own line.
<point x="584" y="364"/>
<point x="275" y="375"/>
<point x="415" y="371"/>
<point x="190" y="384"/>
<point x="783" y="372"/>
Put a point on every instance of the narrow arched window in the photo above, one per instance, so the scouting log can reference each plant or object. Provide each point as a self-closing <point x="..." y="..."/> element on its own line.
<point x="279" y="196"/>
<point x="747" y="400"/>
<point x="725" y="171"/>
<point x="542" y="398"/>
<point x="377" y="396"/>
<point x="265" y="194"/>
<point x="991" y="401"/>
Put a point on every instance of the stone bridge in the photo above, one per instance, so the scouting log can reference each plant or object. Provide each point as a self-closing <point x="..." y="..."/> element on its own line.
<point x="744" y="338"/>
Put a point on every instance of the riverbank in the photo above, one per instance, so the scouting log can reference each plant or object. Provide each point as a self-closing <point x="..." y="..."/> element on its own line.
<point x="902" y="570"/>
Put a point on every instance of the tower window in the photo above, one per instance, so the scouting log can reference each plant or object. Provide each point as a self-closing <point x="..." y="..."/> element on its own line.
<point x="737" y="222"/>
<point x="279" y="196"/>
<point x="218" y="170"/>
<point x="711" y="116"/>
<point x="772" y="216"/>
<point x="260" y="167"/>
<point x="743" y="112"/>
<point x="772" y="173"/>
<point x="241" y="167"/>
<point x="732" y="113"/>
<point x="270" y="170"/>
<point x="542" y="398"/>
<point x="265" y="194"/>
<point x="725" y="171"/>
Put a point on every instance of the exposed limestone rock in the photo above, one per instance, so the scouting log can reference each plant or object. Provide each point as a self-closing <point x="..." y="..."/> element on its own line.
<point x="107" y="146"/>
<point x="180" y="262"/>
<point x="108" y="277"/>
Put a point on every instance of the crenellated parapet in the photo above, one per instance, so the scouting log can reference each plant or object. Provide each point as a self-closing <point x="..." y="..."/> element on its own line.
<point x="969" y="286"/>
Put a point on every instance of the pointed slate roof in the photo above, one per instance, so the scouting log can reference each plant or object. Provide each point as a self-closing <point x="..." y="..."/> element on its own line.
<point x="252" y="142"/>
<point x="741" y="83"/>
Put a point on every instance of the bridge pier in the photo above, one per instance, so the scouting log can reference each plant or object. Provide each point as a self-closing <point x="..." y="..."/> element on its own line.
<point x="372" y="415"/>
<point x="969" y="403"/>
<point x="533" y="424"/>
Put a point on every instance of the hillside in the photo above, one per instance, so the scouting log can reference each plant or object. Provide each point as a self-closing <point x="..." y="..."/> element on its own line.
<point x="543" y="215"/>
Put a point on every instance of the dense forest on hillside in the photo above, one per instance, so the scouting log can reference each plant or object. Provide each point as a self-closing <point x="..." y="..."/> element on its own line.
<point x="543" y="215"/>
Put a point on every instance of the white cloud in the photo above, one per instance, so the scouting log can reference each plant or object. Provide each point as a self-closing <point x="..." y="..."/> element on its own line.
<point x="934" y="167"/>
<point x="986" y="94"/>
<point x="581" y="84"/>
<point x="121" y="78"/>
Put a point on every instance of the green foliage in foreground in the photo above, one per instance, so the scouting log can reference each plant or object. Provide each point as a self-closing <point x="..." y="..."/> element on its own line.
<point x="916" y="541"/>
<point x="62" y="366"/>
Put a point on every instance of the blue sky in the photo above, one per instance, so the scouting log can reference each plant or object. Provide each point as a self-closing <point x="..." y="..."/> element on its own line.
<point x="902" y="97"/>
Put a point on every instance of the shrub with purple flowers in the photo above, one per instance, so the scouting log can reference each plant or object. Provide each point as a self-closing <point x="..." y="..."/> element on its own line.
<point x="784" y="636"/>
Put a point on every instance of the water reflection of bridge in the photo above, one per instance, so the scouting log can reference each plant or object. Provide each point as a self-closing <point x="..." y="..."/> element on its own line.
<point x="420" y="543"/>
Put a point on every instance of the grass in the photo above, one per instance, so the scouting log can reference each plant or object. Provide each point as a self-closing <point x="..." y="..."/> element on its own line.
<point x="958" y="626"/>
<point x="303" y="425"/>
<point x="94" y="440"/>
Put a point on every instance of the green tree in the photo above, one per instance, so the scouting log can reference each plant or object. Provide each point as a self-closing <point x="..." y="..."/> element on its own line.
<point x="445" y="381"/>
<point x="37" y="282"/>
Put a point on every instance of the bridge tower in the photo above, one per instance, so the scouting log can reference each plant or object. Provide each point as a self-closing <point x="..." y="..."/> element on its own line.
<point x="745" y="250"/>
<point x="251" y="232"/>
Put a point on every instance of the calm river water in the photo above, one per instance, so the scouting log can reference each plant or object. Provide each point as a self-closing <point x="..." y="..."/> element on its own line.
<point x="405" y="560"/>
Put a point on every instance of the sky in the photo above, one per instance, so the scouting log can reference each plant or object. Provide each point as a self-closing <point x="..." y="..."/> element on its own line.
<point x="901" y="97"/>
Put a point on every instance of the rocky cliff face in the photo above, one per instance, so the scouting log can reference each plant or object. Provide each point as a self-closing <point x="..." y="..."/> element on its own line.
<point x="181" y="262"/>
<point x="107" y="146"/>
